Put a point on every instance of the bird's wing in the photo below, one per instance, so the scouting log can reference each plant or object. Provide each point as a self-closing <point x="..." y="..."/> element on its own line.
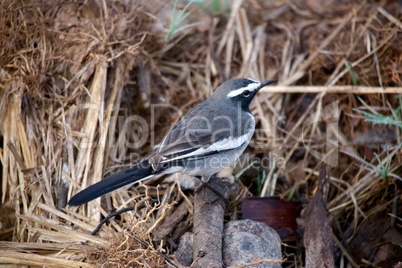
<point x="196" y="144"/>
<point x="196" y="136"/>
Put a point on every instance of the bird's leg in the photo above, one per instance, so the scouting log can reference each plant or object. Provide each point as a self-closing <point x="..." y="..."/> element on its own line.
<point x="206" y="184"/>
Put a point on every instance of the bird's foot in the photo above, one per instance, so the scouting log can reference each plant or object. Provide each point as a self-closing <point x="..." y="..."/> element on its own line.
<point x="207" y="184"/>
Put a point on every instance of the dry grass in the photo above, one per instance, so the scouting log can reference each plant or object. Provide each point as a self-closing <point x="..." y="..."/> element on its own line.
<point x="69" y="73"/>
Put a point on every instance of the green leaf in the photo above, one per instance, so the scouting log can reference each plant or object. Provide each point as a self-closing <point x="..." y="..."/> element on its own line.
<point x="352" y="74"/>
<point x="177" y="18"/>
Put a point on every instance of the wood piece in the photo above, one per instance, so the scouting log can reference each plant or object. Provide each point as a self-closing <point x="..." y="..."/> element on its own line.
<point x="318" y="238"/>
<point x="170" y="223"/>
<point x="184" y="252"/>
<point x="209" y="212"/>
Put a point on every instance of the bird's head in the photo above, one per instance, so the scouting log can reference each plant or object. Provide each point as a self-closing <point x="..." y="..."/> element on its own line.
<point x="240" y="90"/>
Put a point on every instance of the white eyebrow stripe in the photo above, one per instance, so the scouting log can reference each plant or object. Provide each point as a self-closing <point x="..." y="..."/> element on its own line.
<point x="250" y="87"/>
<point x="253" y="80"/>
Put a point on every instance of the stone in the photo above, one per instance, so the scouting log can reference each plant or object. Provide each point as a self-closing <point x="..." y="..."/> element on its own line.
<point x="247" y="241"/>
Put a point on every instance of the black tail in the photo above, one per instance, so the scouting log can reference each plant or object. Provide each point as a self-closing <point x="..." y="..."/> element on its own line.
<point x="132" y="175"/>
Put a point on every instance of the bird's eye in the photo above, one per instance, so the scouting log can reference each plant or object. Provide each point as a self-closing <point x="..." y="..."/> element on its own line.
<point x="246" y="93"/>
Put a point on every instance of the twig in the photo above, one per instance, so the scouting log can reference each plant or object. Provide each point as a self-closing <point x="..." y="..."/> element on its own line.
<point x="389" y="17"/>
<point x="16" y="155"/>
<point x="332" y="89"/>
<point x="108" y="217"/>
<point x="345" y="251"/>
<point x="118" y="212"/>
<point x="145" y="244"/>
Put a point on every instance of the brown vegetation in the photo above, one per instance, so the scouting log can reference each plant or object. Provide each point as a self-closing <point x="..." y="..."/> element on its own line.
<point x="72" y="72"/>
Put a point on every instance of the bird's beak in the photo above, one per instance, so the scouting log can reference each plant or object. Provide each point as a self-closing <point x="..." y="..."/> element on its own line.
<point x="268" y="82"/>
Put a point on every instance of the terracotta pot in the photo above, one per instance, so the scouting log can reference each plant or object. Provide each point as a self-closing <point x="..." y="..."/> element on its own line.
<point x="277" y="213"/>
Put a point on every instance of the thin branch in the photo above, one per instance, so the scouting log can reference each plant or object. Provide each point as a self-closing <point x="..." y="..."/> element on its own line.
<point x="332" y="89"/>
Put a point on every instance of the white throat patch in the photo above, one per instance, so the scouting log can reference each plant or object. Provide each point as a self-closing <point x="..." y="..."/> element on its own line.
<point x="251" y="87"/>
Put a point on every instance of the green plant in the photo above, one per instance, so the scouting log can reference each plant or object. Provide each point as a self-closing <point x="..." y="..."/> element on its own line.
<point x="292" y="193"/>
<point x="237" y="176"/>
<point x="352" y="74"/>
<point x="260" y="179"/>
<point x="383" y="169"/>
<point x="377" y="118"/>
<point x="214" y="6"/>
<point x="176" y="18"/>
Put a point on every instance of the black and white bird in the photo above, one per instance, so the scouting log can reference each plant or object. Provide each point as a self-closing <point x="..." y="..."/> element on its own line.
<point x="209" y="138"/>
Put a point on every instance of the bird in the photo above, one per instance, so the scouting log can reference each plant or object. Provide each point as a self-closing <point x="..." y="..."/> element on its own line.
<point x="208" y="139"/>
